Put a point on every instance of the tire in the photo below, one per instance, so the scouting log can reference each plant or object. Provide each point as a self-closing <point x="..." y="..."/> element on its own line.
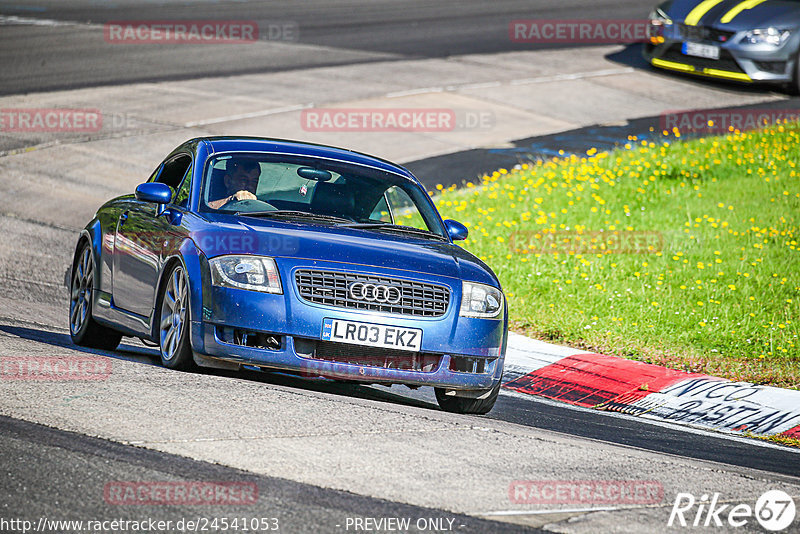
<point x="465" y="405"/>
<point x="174" y="321"/>
<point x="794" y="87"/>
<point x="83" y="329"/>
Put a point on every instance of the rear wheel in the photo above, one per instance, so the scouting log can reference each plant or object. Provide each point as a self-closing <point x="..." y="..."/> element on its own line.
<point x="466" y="405"/>
<point x="176" y="350"/>
<point x="83" y="329"/>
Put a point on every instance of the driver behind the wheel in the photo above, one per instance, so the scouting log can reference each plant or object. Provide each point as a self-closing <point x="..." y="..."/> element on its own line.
<point x="240" y="180"/>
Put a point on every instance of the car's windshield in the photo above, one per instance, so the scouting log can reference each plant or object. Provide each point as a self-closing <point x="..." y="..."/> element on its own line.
<point x="322" y="191"/>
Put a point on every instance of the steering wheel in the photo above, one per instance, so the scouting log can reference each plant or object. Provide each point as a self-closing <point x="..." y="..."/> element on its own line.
<point x="249" y="205"/>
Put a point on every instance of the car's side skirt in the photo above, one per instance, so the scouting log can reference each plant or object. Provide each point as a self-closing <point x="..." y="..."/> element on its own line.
<point x="128" y="323"/>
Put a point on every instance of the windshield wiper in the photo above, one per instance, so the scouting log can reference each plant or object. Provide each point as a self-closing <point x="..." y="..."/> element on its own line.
<point x="293" y="214"/>
<point x="392" y="228"/>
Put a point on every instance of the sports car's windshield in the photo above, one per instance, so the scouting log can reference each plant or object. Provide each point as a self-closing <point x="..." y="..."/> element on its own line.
<point x="307" y="189"/>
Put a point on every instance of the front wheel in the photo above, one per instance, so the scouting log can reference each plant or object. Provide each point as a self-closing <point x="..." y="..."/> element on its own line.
<point x="794" y="85"/>
<point x="466" y="405"/>
<point x="174" y="344"/>
<point x="83" y="329"/>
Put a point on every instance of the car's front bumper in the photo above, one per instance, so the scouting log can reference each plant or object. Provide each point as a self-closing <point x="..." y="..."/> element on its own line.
<point x="736" y="62"/>
<point x="296" y="326"/>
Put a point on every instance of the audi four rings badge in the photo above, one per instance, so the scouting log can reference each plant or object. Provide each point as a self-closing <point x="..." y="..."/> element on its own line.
<point x="375" y="292"/>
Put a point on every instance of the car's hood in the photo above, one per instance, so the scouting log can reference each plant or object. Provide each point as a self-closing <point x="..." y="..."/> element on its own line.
<point x="782" y="14"/>
<point x="279" y="239"/>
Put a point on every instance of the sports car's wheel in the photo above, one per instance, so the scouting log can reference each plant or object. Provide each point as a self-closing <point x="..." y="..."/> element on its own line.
<point x="83" y="329"/>
<point x="794" y="87"/>
<point x="176" y="350"/>
<point x="450" y="403"/>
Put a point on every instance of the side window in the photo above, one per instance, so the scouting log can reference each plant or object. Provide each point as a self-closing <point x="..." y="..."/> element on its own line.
<point x="403" y="210"/>
<point x="381" y="211"/>
<point x="155" y="173"/>
<point x="174" y="170"/>
<point x="182" y="198"/>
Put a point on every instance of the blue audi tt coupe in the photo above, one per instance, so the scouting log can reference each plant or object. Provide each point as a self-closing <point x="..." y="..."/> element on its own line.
<point x="289" y="256"/>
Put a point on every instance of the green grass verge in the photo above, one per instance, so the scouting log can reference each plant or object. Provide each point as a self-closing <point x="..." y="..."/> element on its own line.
<point x="683" y="253"/>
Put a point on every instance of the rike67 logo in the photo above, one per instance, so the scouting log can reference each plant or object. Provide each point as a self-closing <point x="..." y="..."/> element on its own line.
<point x="774" y="510"/>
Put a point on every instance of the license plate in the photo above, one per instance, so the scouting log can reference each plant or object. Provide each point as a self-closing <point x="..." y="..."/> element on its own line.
<point x="372" y="335"/>
<point x="701" y="50"/>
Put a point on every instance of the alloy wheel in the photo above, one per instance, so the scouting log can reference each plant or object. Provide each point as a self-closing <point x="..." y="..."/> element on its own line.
<point x="81" y="291"/>
<point x="173" y="314"/>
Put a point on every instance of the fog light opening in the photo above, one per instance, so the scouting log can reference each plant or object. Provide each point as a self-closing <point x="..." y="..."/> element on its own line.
<point x="466" y="364"/>
<point x="250" y="338"/>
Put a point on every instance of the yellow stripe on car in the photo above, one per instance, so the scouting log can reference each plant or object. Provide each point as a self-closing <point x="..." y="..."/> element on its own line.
<point x="716" y="73"/>
<point x="727" y="74"/>
<point x="747" y="4"/>
<point x="672" y="65"/>
<point x="699" y="11"/>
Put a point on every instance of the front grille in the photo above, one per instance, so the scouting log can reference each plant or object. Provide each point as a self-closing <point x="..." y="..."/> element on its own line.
<point x="704" y="33"/>
<point x="377" y="357"/>
<point x="332" y="288"/>
<point x="725" y="61"/>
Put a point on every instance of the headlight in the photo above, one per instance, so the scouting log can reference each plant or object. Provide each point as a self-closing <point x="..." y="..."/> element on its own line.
<point x="256" y="273"/>
<point x="655" y="27"/>
<point x="770" y="36"/>
<point x="478" y="300"/>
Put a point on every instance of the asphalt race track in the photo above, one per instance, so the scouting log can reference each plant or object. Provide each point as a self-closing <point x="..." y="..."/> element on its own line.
<point x="59" y="456"/>
<point x="56" y="57"/>
<point x="321" y="454"/>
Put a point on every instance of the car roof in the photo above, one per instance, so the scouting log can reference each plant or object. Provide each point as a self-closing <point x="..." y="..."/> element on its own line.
<point x="299" y="148"/>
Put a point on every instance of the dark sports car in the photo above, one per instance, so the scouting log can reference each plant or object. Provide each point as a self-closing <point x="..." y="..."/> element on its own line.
<point x="746" y="41"/>
<point x="303" y="258"/>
